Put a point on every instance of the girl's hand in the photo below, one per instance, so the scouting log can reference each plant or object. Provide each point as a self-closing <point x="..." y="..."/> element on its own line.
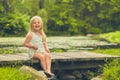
<point x="47" y="50"/>
<point x="34" y="47"/>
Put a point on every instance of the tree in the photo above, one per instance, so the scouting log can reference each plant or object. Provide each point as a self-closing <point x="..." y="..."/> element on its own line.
<point x="5" y="6"/>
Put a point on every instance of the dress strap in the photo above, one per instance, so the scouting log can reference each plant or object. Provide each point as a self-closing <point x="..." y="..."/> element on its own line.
<point x="33" y="33"/>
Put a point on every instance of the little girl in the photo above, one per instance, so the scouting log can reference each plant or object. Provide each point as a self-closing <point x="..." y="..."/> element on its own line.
<point x="36" y="42"/>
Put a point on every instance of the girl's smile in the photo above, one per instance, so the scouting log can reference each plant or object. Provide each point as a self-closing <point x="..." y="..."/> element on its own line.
<point x="36" y="25"/>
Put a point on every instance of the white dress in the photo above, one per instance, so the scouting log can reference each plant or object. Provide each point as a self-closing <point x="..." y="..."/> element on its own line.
<point x="37" y="41"/>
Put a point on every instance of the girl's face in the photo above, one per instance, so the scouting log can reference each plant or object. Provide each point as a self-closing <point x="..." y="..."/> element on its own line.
<point x="36" y="24"/>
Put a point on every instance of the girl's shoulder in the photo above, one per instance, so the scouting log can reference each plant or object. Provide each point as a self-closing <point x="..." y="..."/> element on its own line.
<point x="29" y="34"/>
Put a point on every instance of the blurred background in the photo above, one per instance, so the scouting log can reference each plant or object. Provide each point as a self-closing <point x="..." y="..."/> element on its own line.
<point x="60" y="17"/>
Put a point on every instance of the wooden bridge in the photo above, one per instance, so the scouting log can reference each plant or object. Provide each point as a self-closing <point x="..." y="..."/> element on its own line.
<point x="60" y="61"/>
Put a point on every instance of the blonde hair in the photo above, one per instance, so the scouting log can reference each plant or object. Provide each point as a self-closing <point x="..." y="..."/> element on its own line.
<point x="41" y="30"/>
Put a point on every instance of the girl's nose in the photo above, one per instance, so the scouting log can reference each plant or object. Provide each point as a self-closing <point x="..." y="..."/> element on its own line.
<point x="37" y="23"/>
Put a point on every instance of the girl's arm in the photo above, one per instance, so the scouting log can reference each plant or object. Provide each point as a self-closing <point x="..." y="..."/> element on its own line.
<point x="46" y="47"/>
<point x="44" y="41"/>
<point x="27" y="42"/>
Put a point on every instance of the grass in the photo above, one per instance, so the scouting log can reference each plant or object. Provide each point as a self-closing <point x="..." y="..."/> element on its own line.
<point x="12" y="73"/>
<point x="113" y="51"/>
<point x="111" y="37"/>
<point x="111" y="70"/>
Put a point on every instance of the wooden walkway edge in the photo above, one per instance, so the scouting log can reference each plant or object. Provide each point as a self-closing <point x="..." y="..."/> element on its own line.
<point x="66" y="60"/>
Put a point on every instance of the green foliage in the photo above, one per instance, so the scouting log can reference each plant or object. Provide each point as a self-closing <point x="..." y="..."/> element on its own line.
<point x="112" y="70"/>
<point x="12" y="50"/>
<point x="44" y="16"/>
<point x="108" y="51"/>
<point x="29" y="7"/>
<point x="85" y="16"/>
<point x="72" y="17"/>
<point x="13" y="24"/>
<point x="58" y="50"/>
<point x="111" y="37"/>
<point x="12" y="73"/>
<point x="6" y="51"/>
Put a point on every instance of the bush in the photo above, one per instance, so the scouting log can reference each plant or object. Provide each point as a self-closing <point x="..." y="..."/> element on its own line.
<point x="13" y="24"/>
<point x="112" y="70"/>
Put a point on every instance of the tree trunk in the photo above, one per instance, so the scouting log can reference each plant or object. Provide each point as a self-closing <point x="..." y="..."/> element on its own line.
<point x="5" y="7"/>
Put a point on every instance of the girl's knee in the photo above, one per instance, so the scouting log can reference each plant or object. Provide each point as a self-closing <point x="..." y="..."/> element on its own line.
<point x="40" y="57"/>
<point x="48" y="55"/>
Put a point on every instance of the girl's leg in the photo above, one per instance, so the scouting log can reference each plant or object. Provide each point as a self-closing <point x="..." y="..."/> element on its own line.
<point x="48" y="63"/>
<point x="41" y="57"/>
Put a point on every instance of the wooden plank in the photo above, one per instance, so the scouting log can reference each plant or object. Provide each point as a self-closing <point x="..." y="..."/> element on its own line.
<point x="23" y="54"/>
<point x="12" y="57"/>
<point x="3" y="58"/>
<point x="83" y="55"/>
<point x="56" y="57"/>
<point x="66" y="56"/>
